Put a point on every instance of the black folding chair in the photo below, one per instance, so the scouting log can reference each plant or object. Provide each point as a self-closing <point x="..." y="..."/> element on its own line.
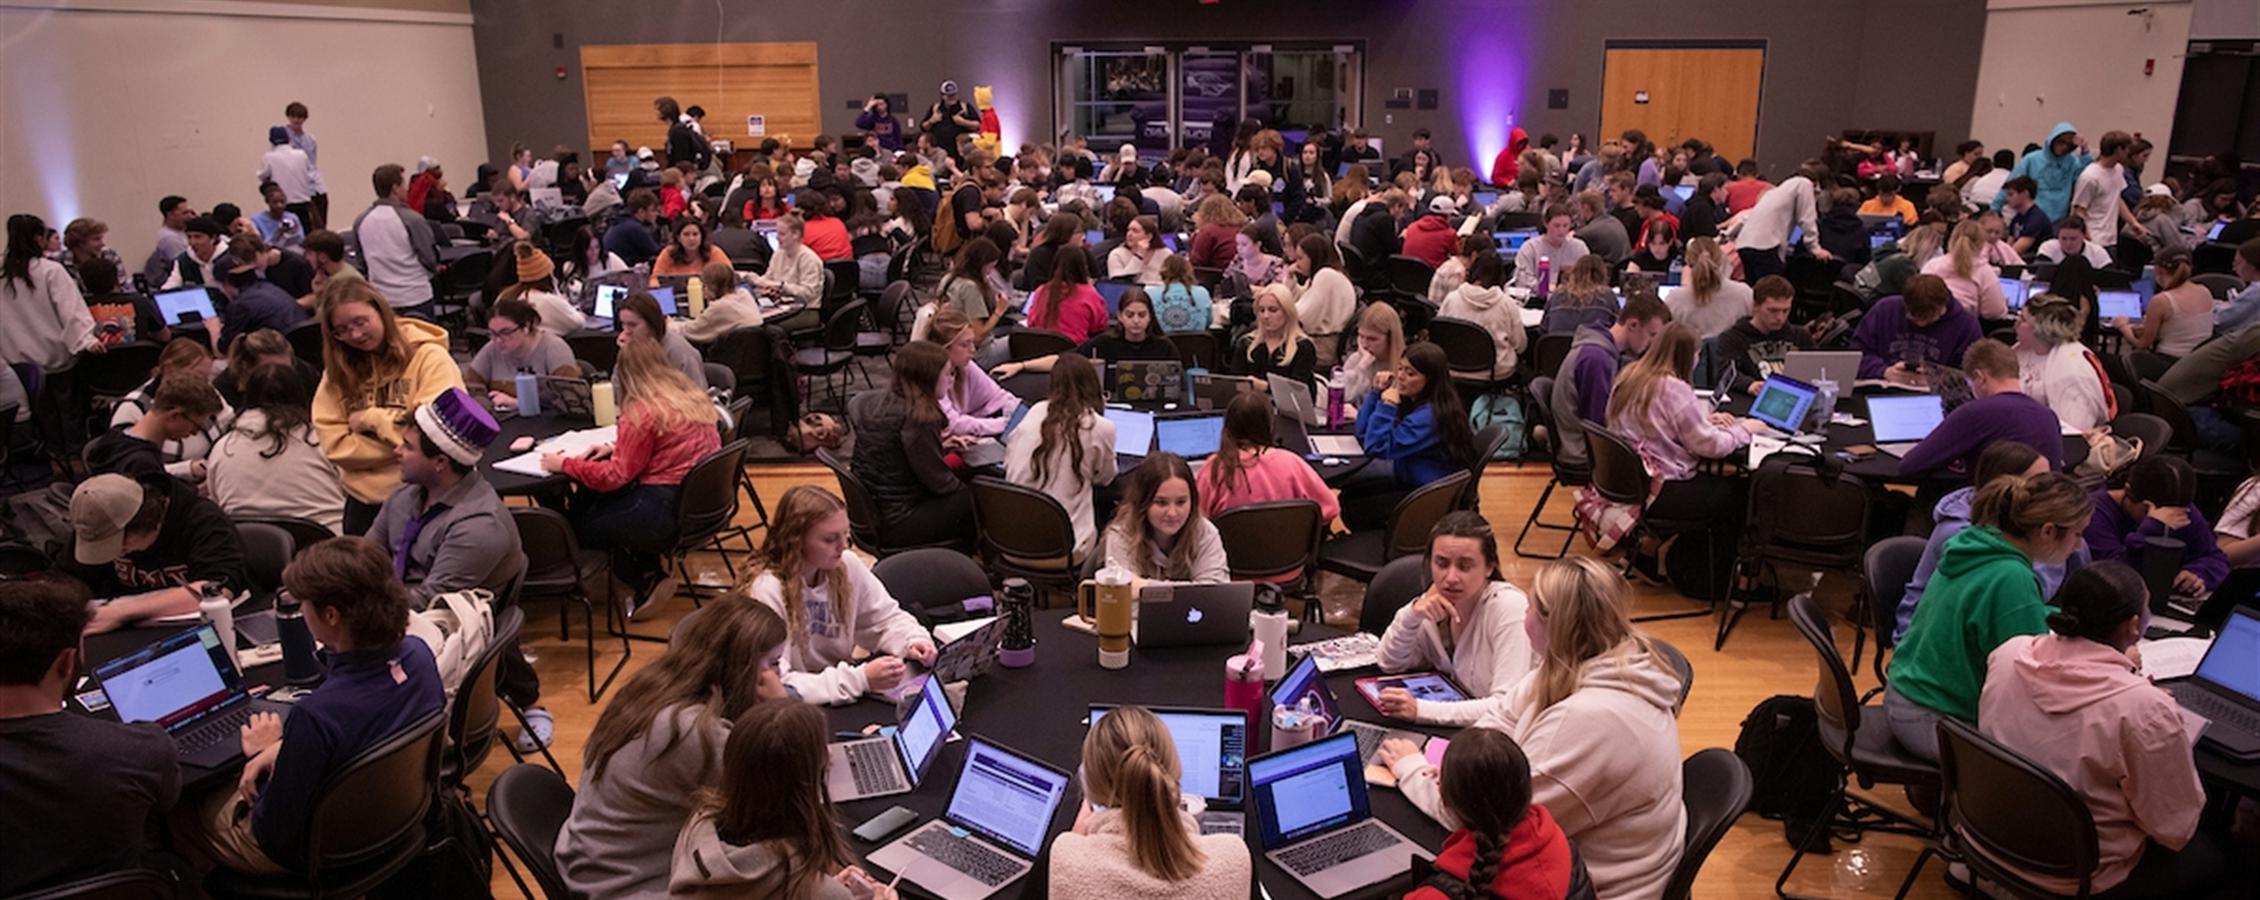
<point x="559" y="568"/>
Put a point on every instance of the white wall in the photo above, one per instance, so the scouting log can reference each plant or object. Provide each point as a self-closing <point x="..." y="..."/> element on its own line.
<point x="2047" y="61"/>
<point x="108" y="105"/>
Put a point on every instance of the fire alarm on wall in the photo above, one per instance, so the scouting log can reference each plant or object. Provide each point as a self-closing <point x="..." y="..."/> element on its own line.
<point x="561" y="73"/>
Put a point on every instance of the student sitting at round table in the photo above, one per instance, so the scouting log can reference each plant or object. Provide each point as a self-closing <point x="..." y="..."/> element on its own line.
<point x="518" y="346"/>
<point x="183" y="454"/>
<point x="1065" y="445"/>
<point x="1581" y="297"/>
<point x="831" y="604"/>
<point x="151" y="545"/>
<point x="1655" y="409"/>
<point x="267" y="463"/>
<point x="1504" y="845"/>
<point x="972" y="402"/>
<point x="2075" y="702"/>
<point x="182" y="412"/>
<point x="2178" y="318"/>
<point x="1597" y="718"/>
<point x="1277" y="345"/>
<point x="1975" y="283"/>
<point x="1381" y="340"/>
<point x="1468" y="625"/>
<point x="1707" y="300"/>
<point x="1325" y="301"/>
<point x="658" y="742"/>
<point x="2057" y="369"/>
<point x="632" y="487"/>
<point x="1482" y="299"/>
<point x="2001" y="459"/>
<point x="764" y="827"/>
<point x="1133" y="336"/>
<point x="795" y="272"/>
<point x="2156" y="498"/>
<point x="376" y="367"/>
<point x="1067" y="303"/>
<point x="642" y="319"/>
<point x="899" y="453"/>
<point x="2000" y="412"/>
<point x="537" y="286"/>
<point x="689" y="253"/>
<point x="1249" y="468"/>
<point x="1158" y="532"/>
<point x="1180" y="304"/>
<point x="1413" y="430"/>
<point x="1982" y="594"/>
<point x="729" y="307"/>
<point x="1133" y="837"/>
<point x="1140" y="256"/>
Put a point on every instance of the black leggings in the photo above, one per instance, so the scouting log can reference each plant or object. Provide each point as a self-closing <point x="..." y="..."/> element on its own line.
<point x="941" y="519"/>
<point x="360" y="517"/>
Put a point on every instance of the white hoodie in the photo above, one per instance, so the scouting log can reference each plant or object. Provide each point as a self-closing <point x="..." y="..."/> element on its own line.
<point x="1490" y="308"/>
<point x="818" y="668"/>
<point x="1491" y="658"/>
<point x="1604" y="761"/>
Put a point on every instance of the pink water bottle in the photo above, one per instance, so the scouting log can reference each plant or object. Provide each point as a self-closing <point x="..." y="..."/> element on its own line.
<point x="1545" y="278"/>
<point x="1243" y="685"/>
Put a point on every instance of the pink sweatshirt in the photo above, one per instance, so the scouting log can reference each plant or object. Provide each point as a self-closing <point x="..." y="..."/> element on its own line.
<point x="1267" y="475"/>
<point x="2081" y="710"/>
<point x="973" y="402"/>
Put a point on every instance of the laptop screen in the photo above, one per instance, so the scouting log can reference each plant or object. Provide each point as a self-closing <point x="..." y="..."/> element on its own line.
<point x="2118" y="304"/>
<point x="172" y="682"/>
<point x="1133" y="431"/>
<point x="1111" y="292"/>
<point x="1191" y="437"/>
<point x="1309" y="789"/>
<point x="1304" y="680"/>
<point x="1512" y="241"/>
<point x="1106" y="193"/>
<point x="1173" y="242"/>
<point x="666" y="298"/>
<point x="1212" y="749"/>
<point x="1017" y="415"/>
<point x="1686" y="192"/>
<point x="2233" y="662"/>
<point x="2214" y="233"/>
<point x="176" y="305"/>
<point x="1005" y="797"/>
<point x="2016" y="290"/>
<point x="1905" y="417"/>
<point x="1783" y="402"/>
<point x="1094" y="237"/>
<point x="925" y="728"/>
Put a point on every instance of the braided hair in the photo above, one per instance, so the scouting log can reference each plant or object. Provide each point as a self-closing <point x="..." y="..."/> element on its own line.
<point x="1486" y="786"/>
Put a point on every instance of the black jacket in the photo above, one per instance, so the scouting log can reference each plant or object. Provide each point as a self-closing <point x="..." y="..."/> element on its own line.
<point x="684" y="143"/>
<point x="898" y="459"/>
<point x="1374" y="235"/>
<point x="195" y="543"/>
<point x="1699" y="218"/>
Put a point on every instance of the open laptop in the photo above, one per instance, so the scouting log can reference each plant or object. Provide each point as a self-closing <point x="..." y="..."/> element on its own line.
<point x="1316" y="820"/>
<point x="1901" y="421"/>
<point x="189" y="686"/>
<point x="610" y="297"/>
<point x="2017" y="291"/>
<point x="1146" y="381"/>
<point x="1811" y="366"/>
<point x="1685" y="192"/>
<point x="1215" y="390"/>
<point x="187" y="306"/>
<point x="990" y="832"/>
<point x="1190" y="436"/>
<point x="2226" y="687"/>
<point x="2214" y="233"/>
<point x="991" y="452"/>
<point x="1212" y="755"/>
<point x="1783" y="403"/>
<point x="1111" y="293"/>
<point x="1511" y="242"/>
<point x="1307" y="680"/>
<point x="1195" y="615"/>
<point x="1133" y="431"/>
<point x="2118" y="305"/>
<point x="893" y="763"/>
<point x="2208" y="612"/>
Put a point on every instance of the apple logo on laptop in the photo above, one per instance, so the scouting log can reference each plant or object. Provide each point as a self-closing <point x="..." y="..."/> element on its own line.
<point x="1193" y="615"/>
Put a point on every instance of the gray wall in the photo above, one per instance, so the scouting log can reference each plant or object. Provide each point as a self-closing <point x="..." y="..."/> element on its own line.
<point x="1830" y="64"/>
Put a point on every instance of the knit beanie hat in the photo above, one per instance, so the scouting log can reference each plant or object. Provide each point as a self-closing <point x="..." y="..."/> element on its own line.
<point x="457" y="425"/>
<point x="533" y="265"/>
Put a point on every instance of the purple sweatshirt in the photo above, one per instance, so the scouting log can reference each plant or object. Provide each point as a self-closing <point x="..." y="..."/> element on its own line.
<point x="1885" y="337"/>
<point x="2009" y="416"/>
<point x="2114" y="534"/>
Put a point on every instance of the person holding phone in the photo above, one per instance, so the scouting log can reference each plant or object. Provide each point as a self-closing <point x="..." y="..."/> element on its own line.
<point x="1468" y="626"/>
<point x="831" y="604"/>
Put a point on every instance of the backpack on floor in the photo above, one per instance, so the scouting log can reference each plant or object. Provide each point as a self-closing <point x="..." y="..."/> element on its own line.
<point x="1794" y="775"/>
<point x="1502" y="409"/>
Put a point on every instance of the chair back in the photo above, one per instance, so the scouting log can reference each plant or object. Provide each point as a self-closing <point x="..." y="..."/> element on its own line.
<point x="1268" y="541"/>
<point x="116" y="372"/>
<point x="1029" y="343"/>
<point x="1515" y="221"/>
<point x="1196" y="349"/>
<point x="266" y="550"/>
<point x="1399" y="582"/>
<point x="1715" y="787"/>
<point x="1885" y="572"/>
<point x="933" y="582"/>
<point x="378" y="800"/>
<point x="306" y="340"/>
<point x="708" y="497"/>
<point x="2155" y="401"/>
<point x="719" y="377"/>
<point x="1680" y="667"/>
<point x="1417" y="514"/>
<point x="599" y="349"/>
<point x="528" y="806"/>
<point x="1410" y="275"/>
<point x="553" y="551"/>
<point x="862" y="510"/>
<point x="2011" y="811"/>
<point x="740" y="410"/>
<point x="1835" y="701"/>
<point x="304" y="533"/>
<point x="476" y="708"/>
<point x="467" y="274"/>
<point x="1023" y="531"/>
<point x="841" y="326"/>
<point x="895" y="307"/>
<point x="2221" y="284"/>
<point x="1619" y="474"/>
<point x="1805" y="510"/>
<point x="1487" y="444"/>
<point x="18" y="560"/>
<point x="846" y="276"/>
<point x="1547" y="355"/>
<point x="130" y="884"/>
<point x="1354" y="264"/>
<point x="1468" y="349"/>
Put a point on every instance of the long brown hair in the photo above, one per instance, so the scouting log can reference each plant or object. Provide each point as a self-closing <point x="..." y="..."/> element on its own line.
<point x="1130" y="763"/>
<point x="918" y="379"/>
<point x="654" y="387"/>
<point x="1247" y="426"/>
<point x="772" y="789"/>
<point x="350" y="369"/>
<point x="1443" y="401"/>
<point x="1071" y="269"/>
<point x="1587" y="610"/>
<point x="1672" y="355"/>
<point x="2020" y="507"/>
<point x="710" y="665"/>
<point x="1130" y="516"/>
<point x="798" y="511"/>
<point x="1074" y="396"/>
<point x="1486" y="784"/>
<point x="1706" y="269"/>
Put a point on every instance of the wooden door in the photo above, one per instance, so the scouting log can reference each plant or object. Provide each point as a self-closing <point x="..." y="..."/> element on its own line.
<point x="1699" y="92"/>
<point x="777" y="81"/>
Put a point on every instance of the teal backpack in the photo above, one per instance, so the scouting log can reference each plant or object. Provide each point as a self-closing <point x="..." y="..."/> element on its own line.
<point x="1504" y="410"/>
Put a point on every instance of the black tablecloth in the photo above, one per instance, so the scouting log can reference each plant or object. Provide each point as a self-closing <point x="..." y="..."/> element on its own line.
<point x="1039" y="710"/>
<point x="540" y="428"/>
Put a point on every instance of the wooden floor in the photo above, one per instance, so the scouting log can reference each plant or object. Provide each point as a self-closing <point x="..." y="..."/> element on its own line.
<point x="1763" y="658"/>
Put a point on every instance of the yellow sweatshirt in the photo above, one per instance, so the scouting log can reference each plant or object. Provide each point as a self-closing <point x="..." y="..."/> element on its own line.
<point x="365" y="459"/>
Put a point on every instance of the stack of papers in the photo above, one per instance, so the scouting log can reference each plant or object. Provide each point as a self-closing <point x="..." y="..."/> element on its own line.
<point x="571" y="443"/>
<point x="2174" y="657"/>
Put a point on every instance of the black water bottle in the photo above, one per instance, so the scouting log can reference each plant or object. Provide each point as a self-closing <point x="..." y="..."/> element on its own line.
<point x="1018" y="649"/>
<point x="300" y="665"/>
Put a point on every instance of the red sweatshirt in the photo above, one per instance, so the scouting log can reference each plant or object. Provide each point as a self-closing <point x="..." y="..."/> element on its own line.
<point x="1537" y="864"/>
<point x="1508" y="163"/>
<point x="1430" y="239"/>
<point x="645" y="455"/>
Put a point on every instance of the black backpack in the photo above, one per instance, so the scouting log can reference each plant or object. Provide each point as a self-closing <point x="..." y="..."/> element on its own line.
<point x="1795" y="775"/>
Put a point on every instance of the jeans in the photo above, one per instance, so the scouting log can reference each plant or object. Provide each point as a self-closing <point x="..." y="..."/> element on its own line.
<point x="1758" y="264"/>
<point x="636" y="523"/>
<point x="2215" y="431"/>
<point x="1913" y="725"/>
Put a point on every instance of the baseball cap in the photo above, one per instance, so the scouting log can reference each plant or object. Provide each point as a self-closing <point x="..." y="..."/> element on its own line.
<point x="949" y="87"/>
<point x="1445" y="205"/>
<point x="101" y="508"/>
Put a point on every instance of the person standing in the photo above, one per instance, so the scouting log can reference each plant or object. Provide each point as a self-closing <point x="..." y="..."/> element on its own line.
<point x="396" y="243"/>
<point x="317" y="211"/>
<point x="1763" y="237"/>
<point x="949" y="117"/>
<point x="2096" y="195"/>
<point x="289" y="168"/>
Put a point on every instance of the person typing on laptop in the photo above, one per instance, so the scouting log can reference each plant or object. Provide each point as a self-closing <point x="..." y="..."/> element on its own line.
<point x="380" y="682"/>
<point x="2000" y="412"/>
<point x="1761" y="342"/>
<point x="1159" y="533"/>
<point x="82" y="791"/>
<point x="1132" y="837"/>
<point x="2074" y="701"/>
<point x="766" y="830"/>
<point x="2156" y="501"/>
<point x="831" y="604"/>
<point x="1467" y="625"/>
<point x="152" y="545"/>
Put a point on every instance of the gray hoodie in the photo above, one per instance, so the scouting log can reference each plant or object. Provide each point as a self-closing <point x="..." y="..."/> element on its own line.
<point x="1489" y="308"/>
<point x="706" y="866"/>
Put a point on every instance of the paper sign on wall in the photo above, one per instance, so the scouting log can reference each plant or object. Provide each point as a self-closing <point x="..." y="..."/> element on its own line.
<point x="757" y="126"/>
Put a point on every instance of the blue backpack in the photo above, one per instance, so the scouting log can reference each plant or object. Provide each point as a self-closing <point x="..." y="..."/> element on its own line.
<point x="1504" y="410"/>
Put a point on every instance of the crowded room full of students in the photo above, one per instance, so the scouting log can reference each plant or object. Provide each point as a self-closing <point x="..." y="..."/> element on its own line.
<point x="927" y="510"/>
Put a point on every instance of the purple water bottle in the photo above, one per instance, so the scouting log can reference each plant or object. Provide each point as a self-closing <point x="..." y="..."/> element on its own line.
<point x="1545" y="278"/>
<point x="1334" y="399"/>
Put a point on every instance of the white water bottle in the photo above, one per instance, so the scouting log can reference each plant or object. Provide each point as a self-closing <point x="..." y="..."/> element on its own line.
<point x="217" y="609"/>
<point x="1270" y="623"/>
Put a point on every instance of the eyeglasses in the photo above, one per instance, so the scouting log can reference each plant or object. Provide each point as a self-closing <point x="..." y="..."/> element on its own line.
<point x="348" y="328"/>
<point x="512" y="331"/>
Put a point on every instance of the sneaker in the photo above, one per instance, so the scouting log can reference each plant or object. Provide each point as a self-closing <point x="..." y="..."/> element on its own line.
<point x="539" y="731"/>
<point x="643" y="602"/>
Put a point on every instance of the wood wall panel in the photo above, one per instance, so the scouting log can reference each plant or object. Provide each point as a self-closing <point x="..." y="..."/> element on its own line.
<point x="775" y="80"/>
<point x="1708" y="93"/>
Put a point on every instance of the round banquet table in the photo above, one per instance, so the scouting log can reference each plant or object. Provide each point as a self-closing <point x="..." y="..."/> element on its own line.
<point x="540" y="428"/>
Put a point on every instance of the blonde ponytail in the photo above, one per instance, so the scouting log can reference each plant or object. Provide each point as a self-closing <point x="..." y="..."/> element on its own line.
<point x="1130" y="763"/>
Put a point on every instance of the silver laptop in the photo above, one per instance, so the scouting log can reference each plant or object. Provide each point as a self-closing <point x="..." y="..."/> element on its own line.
<point x="2226" y="687"/>
<point x="893" y="763"/>
<point x="1195" y="615"/>
<point x="1317" y="822"/>
<point x="1212" y="752"/>
<point x="189" y="686"/>
<point x="1810" y="366"/>
<point x="1901" y="421"/>
<point x="989" y="834"/>
<point x="1293" y="399"/>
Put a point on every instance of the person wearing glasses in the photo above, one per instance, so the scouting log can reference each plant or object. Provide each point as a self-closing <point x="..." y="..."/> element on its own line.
<point x="518" y="346"/>
<point x="376" y="366"/>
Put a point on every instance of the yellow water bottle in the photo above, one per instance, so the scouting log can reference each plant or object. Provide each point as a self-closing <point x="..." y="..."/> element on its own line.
<point x="602" y="401"/>
<point x="698" y="296"/>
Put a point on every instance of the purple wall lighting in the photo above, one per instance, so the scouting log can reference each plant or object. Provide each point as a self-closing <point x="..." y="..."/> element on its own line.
<point x="1488" y="89"/>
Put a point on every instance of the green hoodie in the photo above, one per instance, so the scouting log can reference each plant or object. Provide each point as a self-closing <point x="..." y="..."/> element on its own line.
<point x="1983" y="593"/>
